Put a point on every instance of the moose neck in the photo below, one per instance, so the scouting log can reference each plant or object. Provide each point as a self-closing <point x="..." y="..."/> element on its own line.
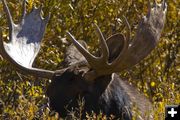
<point x="99" y="85"/>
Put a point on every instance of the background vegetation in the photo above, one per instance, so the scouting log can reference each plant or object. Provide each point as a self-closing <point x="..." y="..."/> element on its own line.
<point x="157" y="76"/>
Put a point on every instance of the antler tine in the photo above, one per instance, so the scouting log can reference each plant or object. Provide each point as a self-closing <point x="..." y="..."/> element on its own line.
<point x="163" y="4"/>
<point x="103" y="44"/>
<point x="125" y="46"/>
<point x="39" y="9"/>
<point x="129" y="30"/>
<point x="9" y="17"/>
<point x="155" y="4"/>
<point x="89" y="57"/>
<point x="149" y="9"/>
<point x="1" y="41"/>
<point x="24" y="9"/>
<point x="121" y="55"/>
<point x="46" y="19"/>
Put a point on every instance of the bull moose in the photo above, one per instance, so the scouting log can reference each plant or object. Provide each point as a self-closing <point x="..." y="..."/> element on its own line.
<point x="93" y="78"/>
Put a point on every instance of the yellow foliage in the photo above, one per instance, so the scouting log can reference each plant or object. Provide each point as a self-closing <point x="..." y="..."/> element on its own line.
<point x="157" y="76"/>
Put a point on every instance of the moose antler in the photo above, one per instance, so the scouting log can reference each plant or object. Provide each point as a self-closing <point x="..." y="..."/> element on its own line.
<point x="146" y="38"/>
<point x="118" y="53"/>
<point x="25" y="40"/>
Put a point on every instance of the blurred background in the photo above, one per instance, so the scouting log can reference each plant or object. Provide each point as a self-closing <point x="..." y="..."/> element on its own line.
<point x="157" y="76"/>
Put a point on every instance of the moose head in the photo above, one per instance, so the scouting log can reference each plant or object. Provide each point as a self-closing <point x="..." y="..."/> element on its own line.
<point x="87" y="76"/>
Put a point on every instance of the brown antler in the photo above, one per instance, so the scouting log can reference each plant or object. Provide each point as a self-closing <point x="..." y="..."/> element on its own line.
<point x="25" y="39"/>
<point x="129" y="53"/>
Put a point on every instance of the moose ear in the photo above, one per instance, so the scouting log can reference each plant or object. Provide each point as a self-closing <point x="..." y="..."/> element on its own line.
<point x="115" y="44"/>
